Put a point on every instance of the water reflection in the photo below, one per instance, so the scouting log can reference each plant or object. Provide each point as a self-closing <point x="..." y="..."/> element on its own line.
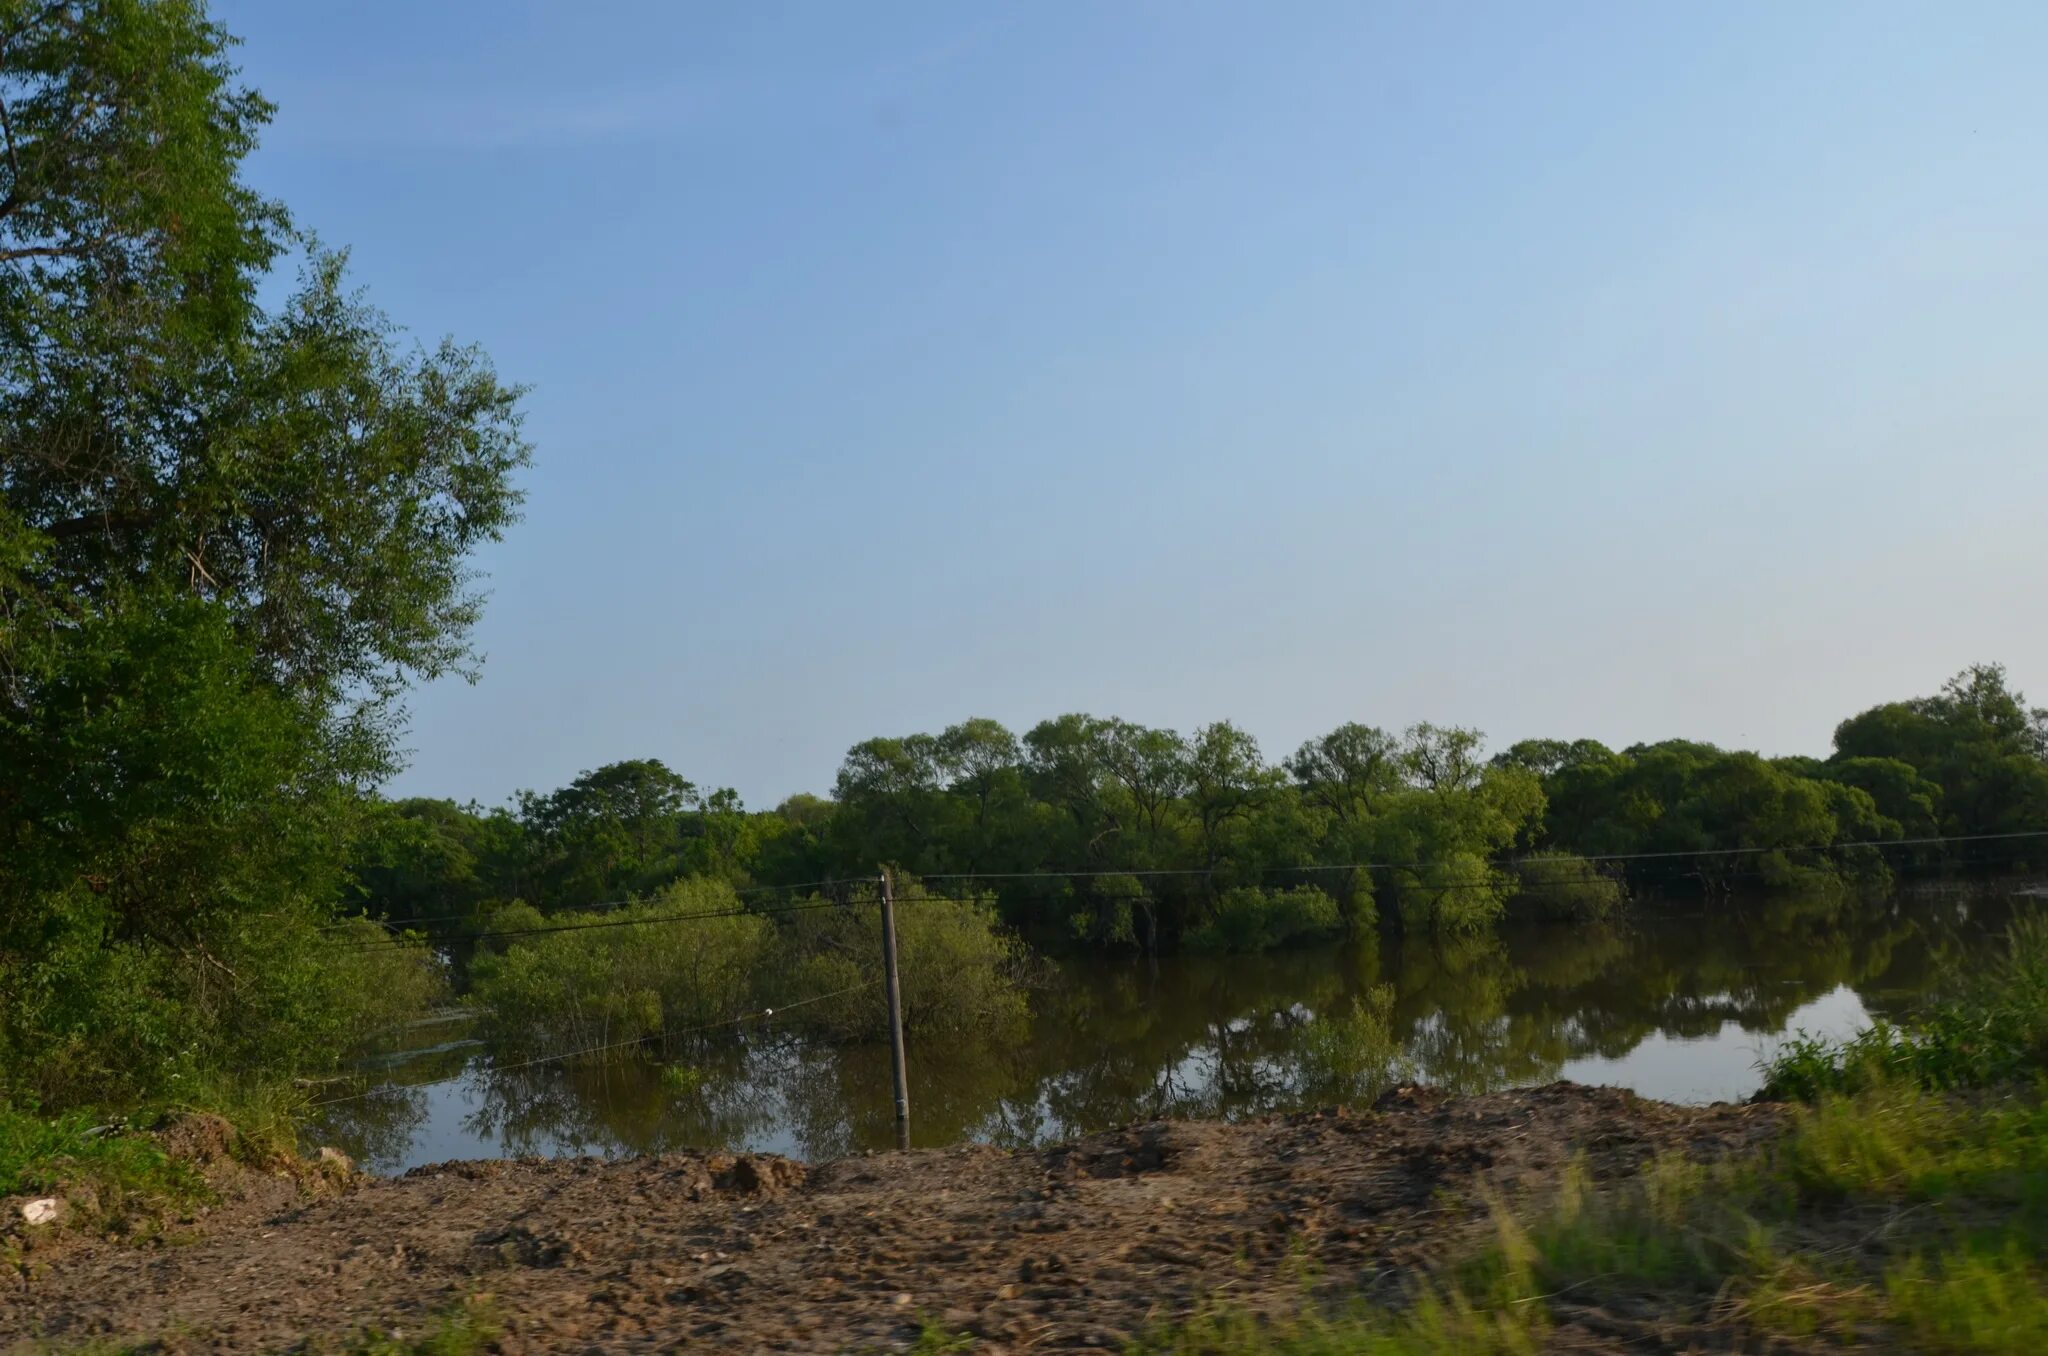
<point x="1677" y="1006"/>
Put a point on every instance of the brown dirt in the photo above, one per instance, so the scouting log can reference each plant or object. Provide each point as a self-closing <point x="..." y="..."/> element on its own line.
<point x="1075" y="1247"/>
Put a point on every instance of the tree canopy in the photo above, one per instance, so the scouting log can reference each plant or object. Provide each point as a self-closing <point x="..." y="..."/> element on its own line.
<point x="229" y="534"/>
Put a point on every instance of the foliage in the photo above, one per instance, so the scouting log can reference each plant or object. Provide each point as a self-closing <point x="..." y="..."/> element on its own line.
<point x="691" y="963"/>
<point x="962" y="972"/>
<point x="1104" y="834"/>
<point x="229" y="535"/>
<point x="1458" y="893"/>
<point x="602" y="982"/>
<point x="1558" y="885"/>
<point x="1352" y="1055"/>
<point x="1247" y="919"/>
<point x="1995" y="1029"/>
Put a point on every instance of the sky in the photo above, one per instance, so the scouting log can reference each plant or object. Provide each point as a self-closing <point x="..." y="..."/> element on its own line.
<point x="1613" y="370"/>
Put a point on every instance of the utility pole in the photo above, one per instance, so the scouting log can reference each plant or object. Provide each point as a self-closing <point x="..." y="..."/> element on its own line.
<point x="894" y="986"/>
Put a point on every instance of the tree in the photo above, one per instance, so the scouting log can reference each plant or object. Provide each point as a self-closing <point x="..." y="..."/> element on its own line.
<point x="1227" y="779"/>
<point x="609" y="832"/>
<point x="1348" y="769"/>
<point x="1152" y="766"/>
<point x="228" y="537"/>
<point x="1977" y="740"/>
<point x="1442" y="758"/>
<point x="980" y="761"/>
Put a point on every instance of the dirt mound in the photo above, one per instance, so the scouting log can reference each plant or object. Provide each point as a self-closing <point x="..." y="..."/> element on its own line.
<point x="1071" y="1248"/>
<point x="199" y="1138"/>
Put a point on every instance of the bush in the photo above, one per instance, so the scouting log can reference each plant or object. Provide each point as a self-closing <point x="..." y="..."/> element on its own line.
<point x="962" y="972"/>
<point x="1458" y="893"/>
<point x="613" y="979"/>
<point x="1249" y="920"/>
<point x="1352" y="1055"/>
<point x="1560" y="886"/>
<point x="87" y="1022"/>
<point x="1993" y="1031"/>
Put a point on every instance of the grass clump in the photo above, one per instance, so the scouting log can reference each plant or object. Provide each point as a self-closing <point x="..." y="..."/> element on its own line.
<point x="1995" y="1030"/>
<point x="465" y="1330"/>
<point x="106" y="1174"/>
<point x="1433" y="1325"/>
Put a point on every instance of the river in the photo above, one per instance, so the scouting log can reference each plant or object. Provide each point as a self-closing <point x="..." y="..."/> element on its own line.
<point x="1677" y="1002"/>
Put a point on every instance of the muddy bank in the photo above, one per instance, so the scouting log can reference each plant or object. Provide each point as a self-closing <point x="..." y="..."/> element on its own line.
<point x="1074" y="1247"/>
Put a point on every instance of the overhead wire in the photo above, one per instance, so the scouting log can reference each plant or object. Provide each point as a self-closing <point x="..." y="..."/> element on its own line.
<point x="743" y="892"/>
<point x="1586" y="878"/>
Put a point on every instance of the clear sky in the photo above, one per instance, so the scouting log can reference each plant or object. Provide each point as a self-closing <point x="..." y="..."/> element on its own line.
<point x="1625" y="370"/>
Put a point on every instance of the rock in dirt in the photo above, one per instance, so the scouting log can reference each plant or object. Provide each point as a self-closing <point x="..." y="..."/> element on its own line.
<point x="44" y="1210"/>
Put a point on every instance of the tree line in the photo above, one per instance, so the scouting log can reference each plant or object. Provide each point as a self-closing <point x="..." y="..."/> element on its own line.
<point x="1098" y="832"/>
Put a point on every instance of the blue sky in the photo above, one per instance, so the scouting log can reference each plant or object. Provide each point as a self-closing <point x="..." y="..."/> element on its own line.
<point x="1615" y="370"/>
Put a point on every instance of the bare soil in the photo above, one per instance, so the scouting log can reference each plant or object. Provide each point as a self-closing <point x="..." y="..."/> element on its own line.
<point x="1075" y="1247"/>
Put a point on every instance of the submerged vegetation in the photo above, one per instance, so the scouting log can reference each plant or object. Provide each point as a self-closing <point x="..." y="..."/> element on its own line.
<point x="606" y="985"/>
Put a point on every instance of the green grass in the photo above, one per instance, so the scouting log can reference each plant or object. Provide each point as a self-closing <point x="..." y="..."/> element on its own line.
<point x="106" y="1176"/>
<point x="1995" y="1030"/>
<point x="1435" y="1325"/>
<point x="1972" y="1299"/>
<point x="465" y="1330"/>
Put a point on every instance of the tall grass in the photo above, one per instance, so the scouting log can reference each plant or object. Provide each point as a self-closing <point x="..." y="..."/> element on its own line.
<point x="1994" y="1030"/>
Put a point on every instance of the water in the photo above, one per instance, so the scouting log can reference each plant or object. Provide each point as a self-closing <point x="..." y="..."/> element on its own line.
<point x="1676" y="1005"/>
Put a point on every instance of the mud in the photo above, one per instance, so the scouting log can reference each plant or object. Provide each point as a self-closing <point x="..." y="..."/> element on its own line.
<point x="1076" y="1247"/>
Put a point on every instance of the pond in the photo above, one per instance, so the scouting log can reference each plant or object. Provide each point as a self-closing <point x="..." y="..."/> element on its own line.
<point x="1677" y="1002"/>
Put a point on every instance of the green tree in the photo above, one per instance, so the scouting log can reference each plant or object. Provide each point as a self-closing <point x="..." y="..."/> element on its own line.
<point x="229" y="536"/>
<point x="610" y="832"/>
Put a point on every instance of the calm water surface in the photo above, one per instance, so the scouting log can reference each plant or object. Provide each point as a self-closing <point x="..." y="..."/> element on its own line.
<point x="1676" y="1005"/>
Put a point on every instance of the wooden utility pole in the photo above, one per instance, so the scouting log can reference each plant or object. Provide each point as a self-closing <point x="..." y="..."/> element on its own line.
<point x="894" y="987"/>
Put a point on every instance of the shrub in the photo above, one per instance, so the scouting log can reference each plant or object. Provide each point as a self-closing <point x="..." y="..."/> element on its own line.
<point x="1457" y="893"/>
<point x="1249" y="920"/>
<point x="637" y="973"/>
<point x="1351" y="1055"/>
<point x="88" y="1022"/>
<point x="1558" y="885"/>
<point x="962" y="972"/>
<point x="1993" y="1031"/>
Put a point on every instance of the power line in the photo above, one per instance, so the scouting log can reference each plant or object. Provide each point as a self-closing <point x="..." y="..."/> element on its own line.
<point x="743" y="893"/>
<point x="1441" y="887"/>
<point x="609" y="923"/>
